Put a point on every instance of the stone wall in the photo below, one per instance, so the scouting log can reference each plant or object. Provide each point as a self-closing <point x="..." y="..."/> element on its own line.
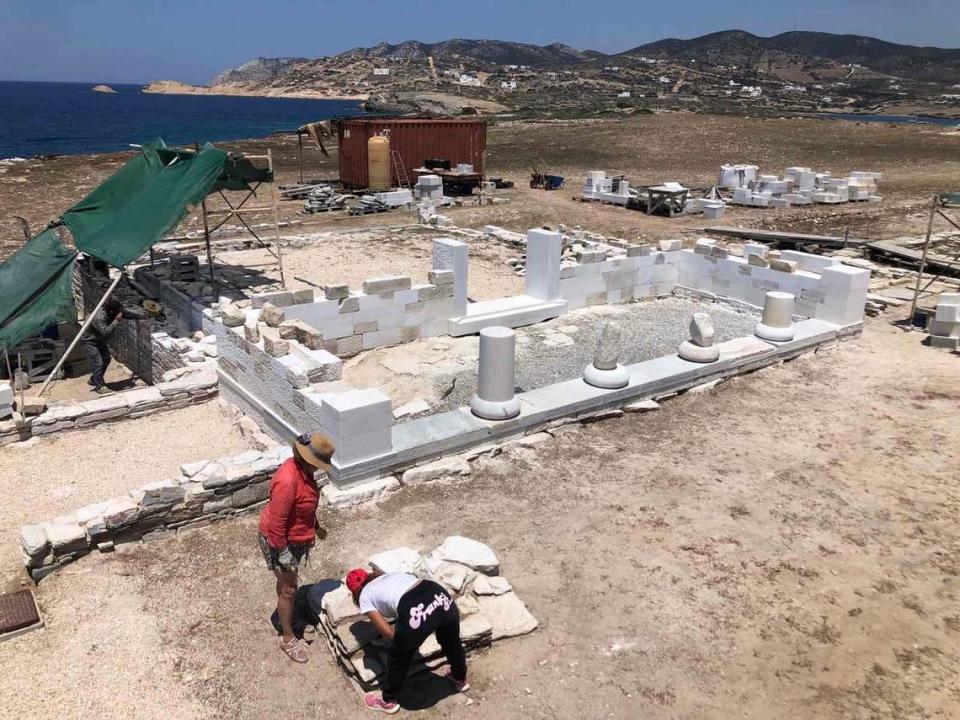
<point x="824" y="288"/>
<point x="282" y="383"/>
<point x="187" y="315"/>
<point x="205" y="492"/>
<point x="388" y="311"/>
<point x="596" y="279"/>
<point x="190" y="389"/>
<point x="139" y="344"/>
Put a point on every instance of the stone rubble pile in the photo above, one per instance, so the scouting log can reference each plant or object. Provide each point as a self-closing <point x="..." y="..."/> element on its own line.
<point x="489" y="609"/>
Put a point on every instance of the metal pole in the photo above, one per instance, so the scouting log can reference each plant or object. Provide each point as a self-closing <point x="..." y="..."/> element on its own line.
<point x="276" y="217"/>
<point x="923" y="258"/>
<point x="20" y="370"/>
<point x="300" y="154"/>
<point x="206" y="229"/>
<point x="83" y="328"/>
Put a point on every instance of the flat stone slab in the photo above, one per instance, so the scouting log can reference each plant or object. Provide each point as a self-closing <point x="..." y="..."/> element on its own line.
<point x="401" y="560"/>
<point x="507" y="614"/>
<point x="475" y="555"/>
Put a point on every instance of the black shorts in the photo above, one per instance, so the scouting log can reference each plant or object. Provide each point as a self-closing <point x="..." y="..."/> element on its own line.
<point x="287" y="560"/>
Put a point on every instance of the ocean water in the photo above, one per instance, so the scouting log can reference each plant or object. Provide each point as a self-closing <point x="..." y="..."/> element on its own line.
<point x="905" y="119"/>
<point x="71" y="119"/>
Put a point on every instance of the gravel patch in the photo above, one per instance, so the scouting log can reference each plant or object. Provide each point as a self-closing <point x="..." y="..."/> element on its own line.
<point x="551" y="352"/>
<point x="55" y="474"/>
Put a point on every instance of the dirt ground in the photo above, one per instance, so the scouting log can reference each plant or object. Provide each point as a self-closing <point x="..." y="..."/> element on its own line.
<point x="55" y="474"/>
<point x="916" y="161"/>
<point x="351" y="258"/>
<point x="783" y="546"/>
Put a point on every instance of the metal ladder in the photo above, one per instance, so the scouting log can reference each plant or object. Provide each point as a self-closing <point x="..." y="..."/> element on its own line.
<point x="399" y="170"/>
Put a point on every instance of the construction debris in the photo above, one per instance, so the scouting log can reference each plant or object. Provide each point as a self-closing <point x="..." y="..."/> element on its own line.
<point x="323" y="198"/>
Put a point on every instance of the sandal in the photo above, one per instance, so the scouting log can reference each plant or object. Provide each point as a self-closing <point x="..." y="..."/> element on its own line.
<point x="295" y="650"/>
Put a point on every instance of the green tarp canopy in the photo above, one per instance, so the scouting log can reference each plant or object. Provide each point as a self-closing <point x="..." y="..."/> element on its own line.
<point x="36" y="288"/>
<point x="142" y="201"/>
<point x="116" y="223"/>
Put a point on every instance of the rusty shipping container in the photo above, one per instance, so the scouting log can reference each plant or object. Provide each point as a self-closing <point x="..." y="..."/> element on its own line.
<point x="415" y="139"/>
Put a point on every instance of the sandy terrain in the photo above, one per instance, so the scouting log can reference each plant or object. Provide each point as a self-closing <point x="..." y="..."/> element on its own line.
<point x="783" y="546"/>
<point x="51" y="475"/>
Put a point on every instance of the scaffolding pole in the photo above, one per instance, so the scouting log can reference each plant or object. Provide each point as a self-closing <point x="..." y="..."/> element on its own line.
<point x="83" y="329"/>
<point x="923" y="258"/>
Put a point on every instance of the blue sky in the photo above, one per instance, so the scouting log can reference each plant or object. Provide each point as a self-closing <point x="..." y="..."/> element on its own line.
<point x="137" y="41"/>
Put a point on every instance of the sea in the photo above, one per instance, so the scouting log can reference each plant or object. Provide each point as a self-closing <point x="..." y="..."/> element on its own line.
<point x="51" y="118"/>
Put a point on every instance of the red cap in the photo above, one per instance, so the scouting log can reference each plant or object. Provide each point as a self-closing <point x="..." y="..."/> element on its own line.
<point x="356" y="579"/>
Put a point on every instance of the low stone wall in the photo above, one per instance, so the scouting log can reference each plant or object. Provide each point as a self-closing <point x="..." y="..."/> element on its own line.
<point x="190" y="389"/>
<point x="205" y="492"/>
<point x="824" y="289"/>
<point x="596" y="279"/>
<point x="390" y="310"/>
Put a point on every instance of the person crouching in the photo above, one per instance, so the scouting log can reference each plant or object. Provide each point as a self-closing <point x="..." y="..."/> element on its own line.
<point x="288" y="527"/>
<point x="420" y="608"/>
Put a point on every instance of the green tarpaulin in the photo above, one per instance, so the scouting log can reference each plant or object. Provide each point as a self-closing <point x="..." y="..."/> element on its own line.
<point x="36" y="288"/>
<point x="142" y="201"/>
<point x="116" y="223"/>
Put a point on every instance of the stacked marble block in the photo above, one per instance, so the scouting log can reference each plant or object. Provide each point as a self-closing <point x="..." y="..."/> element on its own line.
<point x="429" y="187"/>
<point x="944" y="326"/>
<point x="823" y="288"/>
<point x="6" y="400"/>
<point x="802" y="186"/>
<point x="396" y="198"/>
<point x="489" y="609"/>
<point x="597" y="186"/>
<point x="390" y="310"/>
<point x="596" y="279"/>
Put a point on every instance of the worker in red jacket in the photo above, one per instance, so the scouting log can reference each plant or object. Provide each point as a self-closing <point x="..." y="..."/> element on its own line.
<point x="288" y="527"/>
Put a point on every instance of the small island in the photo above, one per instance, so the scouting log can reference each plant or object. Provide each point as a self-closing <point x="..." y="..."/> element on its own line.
<point x="103" y="89"/>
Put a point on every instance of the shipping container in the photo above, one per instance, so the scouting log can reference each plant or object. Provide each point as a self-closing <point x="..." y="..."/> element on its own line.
<point x="415" y="139"/>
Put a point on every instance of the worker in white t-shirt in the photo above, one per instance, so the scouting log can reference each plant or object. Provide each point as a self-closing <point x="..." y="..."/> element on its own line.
<point x="418" y="608"/>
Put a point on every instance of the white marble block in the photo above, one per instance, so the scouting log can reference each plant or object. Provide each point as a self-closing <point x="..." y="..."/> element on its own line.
<point x="542" y="280"/>
<point x="844" y="291"/>
<point x="777" y="322"/>
<point x="495" y="399"/>
<point x="359" y="423"/>
<point x="450" y="254"/>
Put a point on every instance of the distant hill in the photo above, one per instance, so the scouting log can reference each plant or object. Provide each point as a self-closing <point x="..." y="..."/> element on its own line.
<point x="485" y="51"/>
<point x="737" y="47"/>
<point x="258" y="70"/>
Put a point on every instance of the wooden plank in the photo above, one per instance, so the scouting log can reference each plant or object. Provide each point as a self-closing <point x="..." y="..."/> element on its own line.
<point x="911" y="258"/>
<point x="786" y="238"/>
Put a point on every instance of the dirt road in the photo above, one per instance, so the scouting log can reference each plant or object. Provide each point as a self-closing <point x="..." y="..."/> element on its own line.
<point x="783" y="546"/>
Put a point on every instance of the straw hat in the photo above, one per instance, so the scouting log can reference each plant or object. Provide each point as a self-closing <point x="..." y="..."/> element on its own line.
<point x="316" y="449"/>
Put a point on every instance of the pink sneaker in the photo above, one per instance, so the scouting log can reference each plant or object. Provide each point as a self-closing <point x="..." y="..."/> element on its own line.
<point x="459" y="685"/>
<point x="374" y="701"/>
